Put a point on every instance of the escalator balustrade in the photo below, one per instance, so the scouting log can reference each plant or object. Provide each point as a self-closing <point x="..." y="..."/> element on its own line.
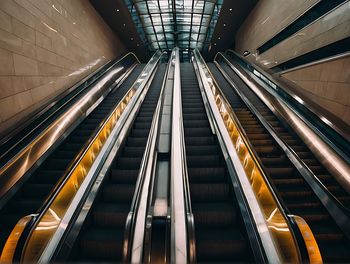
<point x="32" y="194"/>
<point x="293" y="190"/>
<point x="219" y="231"/>
<point x="102" y="235"/>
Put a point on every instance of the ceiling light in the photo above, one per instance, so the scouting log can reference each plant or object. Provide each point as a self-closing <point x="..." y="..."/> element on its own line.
<point x="231" y="9"/>
<point x="219" y="37"/>
<point x="132" y="38"/>
<point x="117" y="10"/>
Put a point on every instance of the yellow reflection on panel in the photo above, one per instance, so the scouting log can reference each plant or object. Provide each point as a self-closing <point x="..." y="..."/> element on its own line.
<point x="276" y="221"/>
<point x="51" y="219"/>
<point x="310" y="241"/>
<point x="9" y="249"/>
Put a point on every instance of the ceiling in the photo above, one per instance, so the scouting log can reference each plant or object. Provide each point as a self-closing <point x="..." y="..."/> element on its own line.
<point x="186" y="24"/>
<point x="232" y="15"/>
<point x="146" y="25"/>
<point x="117" y="16"/>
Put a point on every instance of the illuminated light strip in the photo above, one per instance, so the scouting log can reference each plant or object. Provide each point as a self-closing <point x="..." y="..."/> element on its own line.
<point x="52" y="217"/>
<point x="277" y="223"/>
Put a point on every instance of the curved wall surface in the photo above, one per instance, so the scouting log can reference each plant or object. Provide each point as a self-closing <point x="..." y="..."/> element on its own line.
<point x="326" y="83"/>
<point x="46" y="46"/>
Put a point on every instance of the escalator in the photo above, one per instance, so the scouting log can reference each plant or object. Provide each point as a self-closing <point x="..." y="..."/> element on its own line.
<point x="293" y="190"/>
<point x="102" y="235"/>
<point x="219" y="229"/>
<point x="33" y="192"/>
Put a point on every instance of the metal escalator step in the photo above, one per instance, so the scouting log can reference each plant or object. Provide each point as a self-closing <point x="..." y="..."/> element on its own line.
<point x="198" y="132"/>
<point x="102" y="244"/>
<point x="140" y="132"/>
<point x="266" y="149"/>
<point x="124" y="176"/>
<point x="220" y="245"/>
<point x="128" y="162"/>
<point x="145" y="114"/>
<point x="259" y="136"/>
<point x="121" y="193"/>
<point x="39" y="191"/>
<point x="136" y="141"/>
<point x="141" y="125"/>
<point x="188" y="106"/>
<point x="206" y="174"/>
<point x="79" y="138"/>
<point x="209" y="192"/>
<point x="87" y="127"/>
<point x="283" y="172"/>
<point x="27" y="206"/>
<point x="286" y="182"/>
<point x="274" y="161"/>
<point x="48" y="176"/>
<point x="68" y="154"/>
<point x="196" y="123"/>
<point x="295" y="193"/>
<point x="196" y="110"/>
<point x="57" y="163"/>
<point x="195" y="116"/>
<point x="202" y="150"/>
<point x="110" y="215"/>
<point x="73" y="146"/>
<point x="214" y="214"/>
<point x="335" y="252"/>
<point x="208" y="160"/>
<point x="250" y="130"/>
<point x="133" y="151"/>
<point x="144" y="119"/>
<point x="261" y="142"/>
<point x="200" y="141"/>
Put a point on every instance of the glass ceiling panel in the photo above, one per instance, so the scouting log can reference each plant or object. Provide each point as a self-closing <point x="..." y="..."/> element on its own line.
<point x="165" y="24"/>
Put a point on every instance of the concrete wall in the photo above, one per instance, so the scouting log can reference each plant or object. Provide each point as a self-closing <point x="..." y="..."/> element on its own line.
<point x="45" y="47"/>
<point x="328" y="84"/>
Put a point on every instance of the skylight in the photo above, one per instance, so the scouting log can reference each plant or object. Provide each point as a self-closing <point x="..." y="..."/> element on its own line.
<point x="165" y="24"/>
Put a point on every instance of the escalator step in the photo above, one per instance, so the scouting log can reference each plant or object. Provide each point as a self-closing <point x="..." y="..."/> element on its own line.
<point x="136" y="141"/>
<point x="209" y="160"/>
<point x="139" y="132"/>
<point x="27" y="206"/>
<point x="124" y="176"/>
<point x="48" y="176"/>
<point x="220" y="245"/>
<point x="196" y="123"/>
<point x="40" y="191"/>
<point x="220" y="215"/>
<point x="200" y="141"/>
<point x="57" y="163"/>
<point x="215" y="192"/>
<point x="198" y="175"/>
<point x="128" y="162"/>
<point x="110" y="215"/>
<point x="198" y="132"/>
<point x="202" y="150"/>
<point x="121" y="193"/>
<point x="102" y="244"/>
